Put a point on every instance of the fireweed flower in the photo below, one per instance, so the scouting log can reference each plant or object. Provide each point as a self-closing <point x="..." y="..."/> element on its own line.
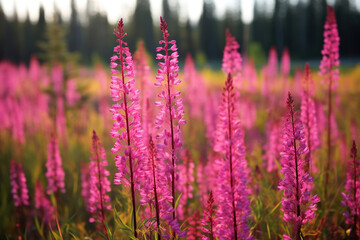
<point x="232" y="59"/>
<point x="195" y="86"/>
<point x="171" y="113"/>
<point x="285" y="63"/>
<point x="45" y="210"/>
<point x="272" y="146"/>
<point x="329" y="70"/>
<point x="234" y="210"/>
<point x="194" y="229"/>
<point x="19" y="189"/>
<point x="270" y="72"/>
<point x="308" y="117"/>
<point x="54" y="174"/>
<point x="129" y="146"/>
<point x="330" y="61"/>
<point x="142" y="71"/>
<point x="85" y="184"/>
<point x="208" y="221"/>
<point x="186" y="179"/>
<point x="351" y="196"/>
<point x="99" y="184"/>
<point x="297" y="204"/>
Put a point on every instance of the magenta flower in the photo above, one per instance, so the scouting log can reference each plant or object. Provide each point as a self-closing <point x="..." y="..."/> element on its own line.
<point x="142" y="70"/>
<point x="156" y="193"/>
<point x="103" y="98"/>
<point x="171" y="113"/>
<point x="72" y="95"/>
<point x="330" y="52"/>
<point x="249" y="74"/>
<point x="234" y="210"/>
<point x="297" y="204"/>
<point x="208" y="221"/>
<point x="351" y="196"/>
<point x="129" y="146"/>
<point x="272" y="147"/>
<point x="232" y="59"/>
<point x="19" y="189"/>
<point x="186" y="179"/>
<point x="195" y="86"/>
<point x="270" y="71"/>
<point x="329" y="70"/>
<point x="60" y="118"/>
<point x="45" y="210"/>
<point x="85" y="184"/>
<point x="99" y="184"/>
<point x="308" y="117"/>
<point x="54" y="174"/>
<point x="194" y="229"/>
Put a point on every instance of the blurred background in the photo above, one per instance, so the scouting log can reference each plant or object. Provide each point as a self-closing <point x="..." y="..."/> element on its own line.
<point x="85" y="27"/>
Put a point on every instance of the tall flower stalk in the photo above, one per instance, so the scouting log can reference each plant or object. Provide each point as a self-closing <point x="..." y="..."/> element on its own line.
<point x="234" y="206"/>
<point x="99" y="184"/>
<point x="142" y="70"/>
<point x="55" y="175"/>
<point x="129" y="146"/>
<point x="297" y="204"/>
<point x="351" y="196"/>
<point x="231" y="58"/>
<point x="329" y="70"/>
<point x="208" y="222"/>
<point x="170" y="116"/>
<point x="43" y="205"/>
<point x="308" y="117"/>
<point x="20" y="192"/>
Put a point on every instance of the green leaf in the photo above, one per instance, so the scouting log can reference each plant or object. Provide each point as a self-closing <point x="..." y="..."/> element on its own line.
<point x="274" y="209"/>
<point x="127" y="228"/>
<point x="177" y="201"/>
<point x="268" y="230"/>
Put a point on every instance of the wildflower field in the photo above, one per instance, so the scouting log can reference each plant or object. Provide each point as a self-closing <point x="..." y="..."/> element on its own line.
<point x="145" y="149"/>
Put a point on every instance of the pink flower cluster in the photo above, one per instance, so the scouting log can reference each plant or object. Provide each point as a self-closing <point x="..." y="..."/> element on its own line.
<point x="297" y="204"/>
<point x="351" y="196"/>
<point x="308" y="116"/>
<point x="142" y="71"/>
<point x="19" y="189"/>
<point x="234" y="210"/>
<point x="54" y="174"/>
<point x="126" y="113"/>
<point x="98" y="182"/>
<point x="232" y="59"/>
<point x="208" y="219"/>
<point x="330" y="52"/>
<point x="45" y="210"/>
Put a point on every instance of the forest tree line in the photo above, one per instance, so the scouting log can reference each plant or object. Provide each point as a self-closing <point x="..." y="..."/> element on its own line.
<point x="298" y="27"/>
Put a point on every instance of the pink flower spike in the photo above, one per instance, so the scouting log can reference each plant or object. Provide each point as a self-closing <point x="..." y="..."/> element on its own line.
<point x="297" y="203"/>
<point x="234" y="210"/>
<point x="45" y="210"/>
<point x="129" y="146"/>
<point x="54" y="174"/>
<point x="98" y="183"/>
<point x="208" y="220"/>
<point x="330" y="71"/>
<point x="19" y="190"/>
<point x="351" y="196"/>
<point x="171" y="113"/>
<point x="232" y="59"/>
<point x="330" y="61"/>
<point x="308" y="117"/>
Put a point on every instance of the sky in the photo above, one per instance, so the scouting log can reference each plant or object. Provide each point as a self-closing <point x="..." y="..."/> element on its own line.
<point x="123" y="8"/>
<point x="115" y="9"/>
